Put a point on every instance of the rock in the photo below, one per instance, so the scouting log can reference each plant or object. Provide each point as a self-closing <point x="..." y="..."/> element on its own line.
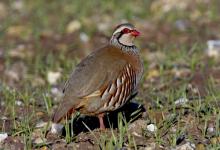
<point x="19" y="103"/>
<point x="73" y="26"/>
<point x="211" y="129"/>
<point x="181" y="101"/>
<point x="152" y="127"/>
<point x="3" y="136"/>
<point x="56" y="92"/>
<point x="84" y="37"/>
<point x="213" y="48"/>
<point x="56" y="128"/>
<point x="52" y="77"/>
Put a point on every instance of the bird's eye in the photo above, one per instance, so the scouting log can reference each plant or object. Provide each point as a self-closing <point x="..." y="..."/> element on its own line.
<point x="126" y="30"/>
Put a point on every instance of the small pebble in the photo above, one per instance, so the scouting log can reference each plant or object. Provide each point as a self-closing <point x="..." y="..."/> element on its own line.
<point x="73" y="26"/>
<point x="210" y="129"/>
<point x="152" y="128"/>
<point x="52" y="77"/>
<point x="181" y="101"/>
<point x="213" y="48"/>
<point x="3" y="136"/>
<point x="84" y="37"/>
<point x="56" y="92"/>
<point x="56" y="128"/>
<point x="18" y="103"/>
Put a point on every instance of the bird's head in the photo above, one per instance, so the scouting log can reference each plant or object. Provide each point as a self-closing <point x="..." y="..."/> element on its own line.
<point x="125" y="34"/>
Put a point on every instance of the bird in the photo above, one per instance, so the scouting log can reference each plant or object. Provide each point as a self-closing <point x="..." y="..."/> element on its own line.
<point x="105" y="80"/>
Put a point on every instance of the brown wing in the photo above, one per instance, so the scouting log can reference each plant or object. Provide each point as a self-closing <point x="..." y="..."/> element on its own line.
<point x="93" y="74"/>
<point x="119" y="91"/>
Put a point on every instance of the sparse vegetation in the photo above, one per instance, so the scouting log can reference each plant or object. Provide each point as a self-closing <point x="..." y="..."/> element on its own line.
<point x="41" y="42"/>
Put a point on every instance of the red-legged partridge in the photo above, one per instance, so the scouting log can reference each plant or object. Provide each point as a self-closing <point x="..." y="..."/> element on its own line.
<point x="105" y="80"/>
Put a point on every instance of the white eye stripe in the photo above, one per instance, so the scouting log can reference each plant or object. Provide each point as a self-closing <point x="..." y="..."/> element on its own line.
<point x="121" y="28"/>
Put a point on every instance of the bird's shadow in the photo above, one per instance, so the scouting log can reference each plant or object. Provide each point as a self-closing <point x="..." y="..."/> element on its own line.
<point x="131" y="111"/>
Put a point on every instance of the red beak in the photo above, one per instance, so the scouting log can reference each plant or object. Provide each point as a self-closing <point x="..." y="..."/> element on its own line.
<point x="135" y="33"/>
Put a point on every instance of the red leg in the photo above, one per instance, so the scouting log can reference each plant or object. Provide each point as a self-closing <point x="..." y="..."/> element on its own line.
<point x="101" y="122"/>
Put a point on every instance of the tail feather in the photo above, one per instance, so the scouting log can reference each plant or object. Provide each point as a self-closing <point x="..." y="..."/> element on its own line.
<point x="66" y="108"/>
<point x="59" y="115"/>
<point x="61" y="112"/>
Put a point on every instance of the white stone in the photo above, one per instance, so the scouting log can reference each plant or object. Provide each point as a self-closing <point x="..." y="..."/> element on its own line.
<point x="152" y="127"/>
<point x="73" y="26"/>
<point x="3" y="136"/>
<point x="210" y="130"/>
<point x="213" y="48"/>
<point x="55" y="91"/>
<point x="52" y="77"/>
<point x="56" y="128"/>
<point x="18" y="103"/>
<point x="84" y="37"/>
<point x="181" y="101"/>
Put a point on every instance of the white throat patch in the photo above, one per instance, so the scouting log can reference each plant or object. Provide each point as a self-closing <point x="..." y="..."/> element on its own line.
<point x="127" y="39"/>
